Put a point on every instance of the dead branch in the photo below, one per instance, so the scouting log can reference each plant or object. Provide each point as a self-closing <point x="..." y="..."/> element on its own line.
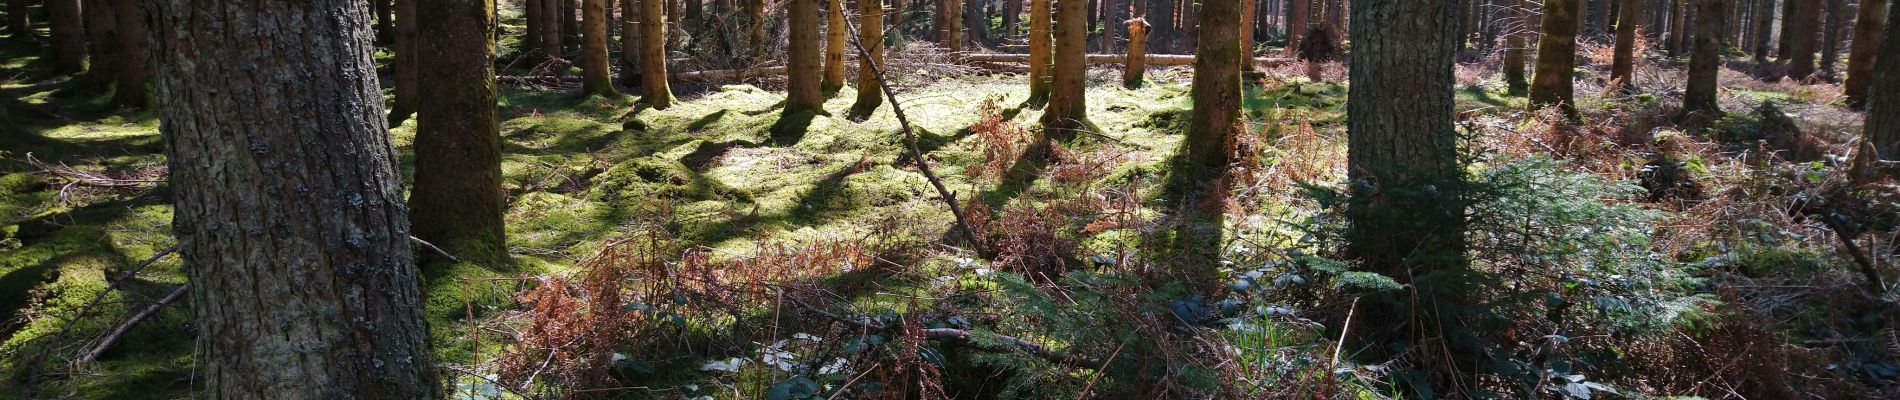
<point x="113" y="337"/>
<point x="33" y="367"/>
<point x="966" y="338"/>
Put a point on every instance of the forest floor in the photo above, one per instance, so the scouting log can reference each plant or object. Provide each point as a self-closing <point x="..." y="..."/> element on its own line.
<point x="713" y="224"/>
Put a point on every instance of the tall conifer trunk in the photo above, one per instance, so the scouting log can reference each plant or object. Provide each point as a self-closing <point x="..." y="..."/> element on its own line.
<point x="1861" y="56"/>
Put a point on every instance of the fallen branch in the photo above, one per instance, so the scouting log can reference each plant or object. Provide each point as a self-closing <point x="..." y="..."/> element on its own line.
<point x="33" y="367"/>
<point x="966" y="338"/>
<point x="1120" y="59"/>
<point x="438" y="250"/>
<point x="1861" y="259"/>
<point x="120" y="330"/>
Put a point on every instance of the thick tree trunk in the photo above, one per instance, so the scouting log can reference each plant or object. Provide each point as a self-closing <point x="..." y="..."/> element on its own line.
<point x="1860" y="57"/>
<point x="596" y="76"/>
<point x="1514" y="47"/>
<point x="653" y="85"/>
<point x="1803" y="30"/>
<point x="1784" y="42"/>
<point x="132" y="89"/>
<point x="802" y="67"/>
<point x="102" y="44"/>
<point x="385" y="21"/>
<point x="834" y="48"/>
<point x="1297" y="21"/>
<point x="1883" y="100"/>
<point x="404" y="66"/>
<point x="1041" y="44"/>
<point x="1406" y="215"/>
<point x="1012" y="18"/>
<point x="1068" y="109"/>
<point x="1556" y="56"/>
<point x="1831" y="36"/>
<point x="1679" y="27"/>
<point x="1765" y="29"/>
<point x="1625" y="51"/>
<point x="950" y="25"/>
<point x="1246" y="32"/>
<point x="69" y="36"/>
<point x="631" y="45"/>
<point x="1200" y="178"/>
<point x="17" y="22"/>
<point x="457" y="201"/>
<point x="570" y="20"/>
<point x="871" y="36"/>
<point x="288" y="207"/>
<point x="532" y="12"/>
<point x="550" y="29"/>
<point x="1705" y="59"/>
<point x="1136" y="67"/>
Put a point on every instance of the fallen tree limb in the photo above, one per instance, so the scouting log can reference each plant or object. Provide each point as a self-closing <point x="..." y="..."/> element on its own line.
<point x="1151" y="59"/>
<point x="112" y="337"/>
<point x="33" y="367"/>
<point x="992" y="61"/>
<point x="967" y="338"/>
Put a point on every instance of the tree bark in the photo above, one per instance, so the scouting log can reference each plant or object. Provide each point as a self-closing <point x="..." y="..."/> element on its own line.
<point x="1297" y="21"/>
<point x="950" y="25"/>
<point x="631" y="45"/>
<point x="550" y="29"/>
<point x="1556" y="56"/>
<point x="1406" y="214"/>
<point x="1765" y="29"/>
<point x="1883" y="99"/>
<point x="457" y="200"/>
<point x="69" y="36"/>
<point x="288" y="207"/>
<point x="1201" y="177"/>
<point x="596" y="76"/>
<point x="1678" y="27"/>
<point x="1860" y="57"/>
<point x="1068" y="109"/>
<point x="1247" y="11"/>
<point x="1136" y="67"/>
<point x="1625" y="58"/>
<point x="834" y="48"/>
<point x="871" y="36"/>
<point x="1831" y="36"/>
<point x="653" y="55"/>
<point x="385" y="23"/>
<point x="17" y="22"/>
<point x="803" y="64"/>
<point x="1705" y="59"/>
<point x="132" y="89"/>
<point x="532" y="12"/>
<point x="102" y="44"/>
<point x="1041" y="43"/>
<point x="404" y="66"/>
<point x="1802" y="29"/>
<point x="1514" y="47"/>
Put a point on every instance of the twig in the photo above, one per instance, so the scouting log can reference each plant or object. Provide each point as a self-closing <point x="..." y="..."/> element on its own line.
<point x="148" y="312"/>
<point x="1111" y="358"/>
<point x="1861" y="259"/>
<point x="910" y="138"/>
<point x="847" y="384"/>
<point x="1343" y="328"/>
<point x="33" y="368"/>
<point x="438" y="250"/>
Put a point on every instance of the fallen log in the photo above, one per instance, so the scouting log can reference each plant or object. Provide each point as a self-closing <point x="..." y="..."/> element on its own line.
<point x="986" y="60"/>
<point x="1153" y="59"/>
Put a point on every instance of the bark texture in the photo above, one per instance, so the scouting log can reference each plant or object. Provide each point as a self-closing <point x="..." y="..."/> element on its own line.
<point x="288" y="207"/>
<point x="1624" y="62"/>
<point x="596" y="76"/>
<point x="69" y="36"/>
<point x="457" y="201"/>
<point x="653" y="86"/>
<point x="802" y="64"/>
<point x="102" y="44"/>
<point x="404" y="66"/>
<point x="17" y="22"/>
<point x="871" y="36"/>
<point x="630" y="45"/>
<point x="1705" y="58"/>
<point x="1068" y="109"/>
<point x="950" y="24"/>
<point x="133" y="86"/>
<point x="1041" y="44"/>
<point x="1201" y="178"/>
<point x="1556" y="56"/>
<point x="1765" y="29"/>
<point x="1883" y="100"/>
<point x="1514" y="47"/>
<point x="1803" y="29"/>
<point x="1406" y="216"/>
<point x="834" y="47"/>
<point x="551" y="37"/>
<point x="1861" y="56"/>
<point x="1136" y="67"/>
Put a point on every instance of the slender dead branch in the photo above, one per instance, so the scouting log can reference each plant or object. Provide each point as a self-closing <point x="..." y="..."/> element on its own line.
<point x="33" y="367"/>
<point x="113" y="337"/>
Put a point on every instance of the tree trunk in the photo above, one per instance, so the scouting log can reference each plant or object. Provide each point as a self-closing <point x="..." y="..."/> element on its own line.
<point x="1246" y="33"/>
<point x="1068" y="109"/>
<point x="755" y="9"/>
<point x="871" y="36"/>
<point x="802" y="67"/>
<point x="532" y="11"/>
<point x="1784" y="43"/>
<point x="1831" y="36"/>
<point x="1679" y="27"/>
<point x="1406" y="217"/>
<point x="1114" y="17"/>
<point x="102" y="44"/>
<point x="950" y="25"/>
<point x="694" y="12"/>
<point x="457" y="201"/>
<point x="404" y="66"/>
<point x="1860" y="57"/>
<point x="1883" y="100"/>
<point x="1136" y="66"/>
<point x="834" y="48"/>
<point x="570" y="22"/>
<point x="1514" y="47"/>
<point x="596" y="75"/>
<point x="1803" y="27"/>
<point x="69" y="36"/>
<point x="17" y="22"/>
<point x="289" y="210"/>
<point x="1625" y="59"/>
<point x="1012" y="18"/>
<point x="1765" y="28"/>
<point x="1556" y="56"/>
<point x="653" y="55"/>
<point x="1705" y="59"/>
<point x="550" y="29"/>
<point x="135" y="51"/>
<point x="1200" y="177"/>
<point x="385" y="24"/>
<point x="1041" y="43"/>
<point x="1297" y="20"/>
<point x="630" y="45"/>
